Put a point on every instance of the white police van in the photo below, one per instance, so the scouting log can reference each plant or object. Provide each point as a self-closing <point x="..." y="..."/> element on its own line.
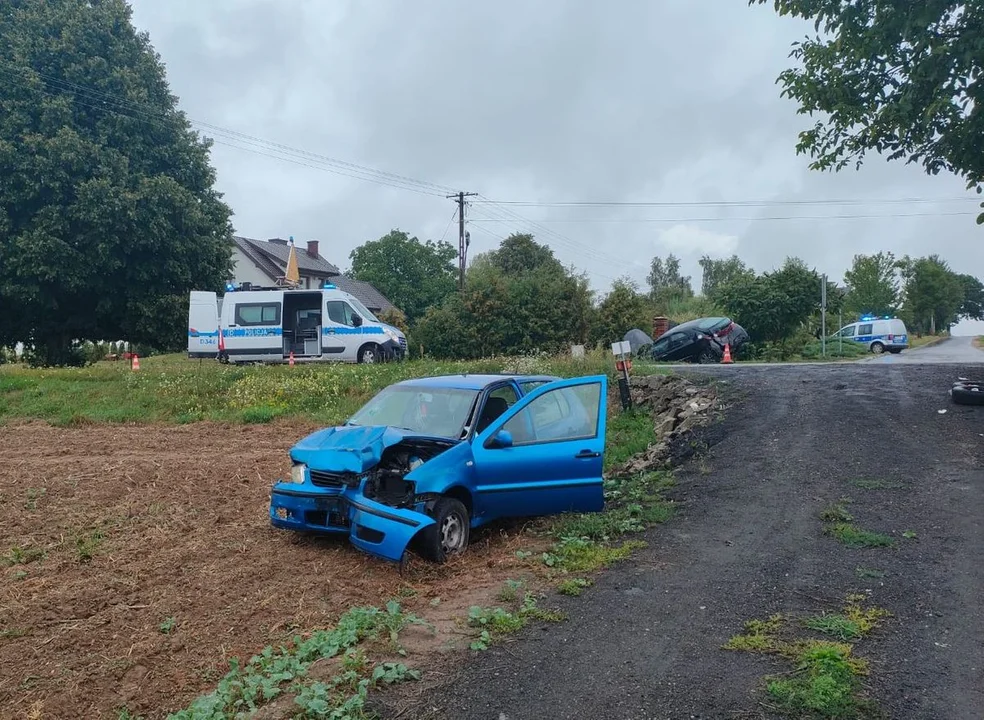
<point x="271" y="325"/>
<point x="879" y="334"/>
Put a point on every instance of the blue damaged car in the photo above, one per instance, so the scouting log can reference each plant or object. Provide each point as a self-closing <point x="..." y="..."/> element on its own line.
<point x="427" y="460"/>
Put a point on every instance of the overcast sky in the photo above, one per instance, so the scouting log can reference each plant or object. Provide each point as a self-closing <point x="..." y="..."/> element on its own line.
<point x="669" y="101"/>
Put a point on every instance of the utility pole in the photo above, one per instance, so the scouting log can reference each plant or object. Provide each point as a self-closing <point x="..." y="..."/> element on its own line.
<point x="823" y="315"/>
<point x="462" y="237"/>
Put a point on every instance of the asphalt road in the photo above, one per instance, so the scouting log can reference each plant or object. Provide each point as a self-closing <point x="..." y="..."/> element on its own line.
<point x="954" y="350"/>
<point x="645" y="641"/>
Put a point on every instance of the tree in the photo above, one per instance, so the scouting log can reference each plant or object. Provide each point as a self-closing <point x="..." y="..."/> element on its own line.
<point x="413" y="275"/>
<point x="516" y="299"/>
<point x="774" y="306"/>
<point x="872" y="284"/>
<point x="722" y="272"/>
<point x="665" y="281"/>
<point x="972" y="307"/>
<point x="108" y="214"/>
<point x="623" y="309"/>
<point x="899" y="78"/>
<point x="933" y="294"/>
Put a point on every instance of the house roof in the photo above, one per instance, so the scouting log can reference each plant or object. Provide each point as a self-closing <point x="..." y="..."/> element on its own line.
<point x="271" y="258"/>
<point x="368" y="295"/>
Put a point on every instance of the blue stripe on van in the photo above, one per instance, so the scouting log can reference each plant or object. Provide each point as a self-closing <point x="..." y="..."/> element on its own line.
<point x="364" y="330"/>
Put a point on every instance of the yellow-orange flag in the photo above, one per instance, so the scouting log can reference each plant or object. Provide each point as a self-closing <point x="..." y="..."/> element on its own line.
<point x="292" y="275"/>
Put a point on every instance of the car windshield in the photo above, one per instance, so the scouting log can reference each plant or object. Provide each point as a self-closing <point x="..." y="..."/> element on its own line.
<point x="437" y="411"/>
<point x="363" y="310"/>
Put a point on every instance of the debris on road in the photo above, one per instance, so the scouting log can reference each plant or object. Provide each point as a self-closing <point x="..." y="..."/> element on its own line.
<point x="967" y="392"/>
<point x="678" y="407"/>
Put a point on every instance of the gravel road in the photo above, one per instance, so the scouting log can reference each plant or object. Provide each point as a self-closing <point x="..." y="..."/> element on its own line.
<point x="645" y="641"/>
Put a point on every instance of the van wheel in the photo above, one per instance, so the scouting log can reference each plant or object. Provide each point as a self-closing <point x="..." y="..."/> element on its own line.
<point x="369" y="354"/>
<point x="877" y="348"/>
<point x="448" y="536"/>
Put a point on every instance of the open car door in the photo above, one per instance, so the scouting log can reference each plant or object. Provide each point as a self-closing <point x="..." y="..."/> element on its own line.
<point x="545" y="454"/>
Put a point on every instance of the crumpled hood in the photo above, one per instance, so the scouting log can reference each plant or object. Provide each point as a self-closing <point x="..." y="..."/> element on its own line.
<point x="348" y="448"/>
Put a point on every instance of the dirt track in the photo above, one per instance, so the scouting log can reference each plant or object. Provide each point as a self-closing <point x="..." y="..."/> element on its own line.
<point x="645" y="642"/>
<point x="139" y="524"/>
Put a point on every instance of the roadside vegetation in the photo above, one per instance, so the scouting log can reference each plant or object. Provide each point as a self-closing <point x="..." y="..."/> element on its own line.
<point x="174" y="389"/>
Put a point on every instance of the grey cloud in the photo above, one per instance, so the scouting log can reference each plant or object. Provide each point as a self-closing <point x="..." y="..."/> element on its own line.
<point x="552" y="100"/>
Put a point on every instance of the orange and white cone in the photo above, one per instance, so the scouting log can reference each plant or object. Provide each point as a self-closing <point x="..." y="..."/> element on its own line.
<point x="135" y="365"/>
<point x="291" y="361"/>
<point x="726" y="360"/>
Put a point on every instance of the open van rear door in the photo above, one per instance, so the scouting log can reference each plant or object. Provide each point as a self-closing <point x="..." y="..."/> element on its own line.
<point x="203" y="325"/>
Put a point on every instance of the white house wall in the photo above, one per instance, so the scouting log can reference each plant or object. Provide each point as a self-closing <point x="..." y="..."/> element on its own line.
<point x="245" y="270"/>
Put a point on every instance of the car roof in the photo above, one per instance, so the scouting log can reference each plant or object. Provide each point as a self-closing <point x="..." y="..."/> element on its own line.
<point x="471" y="382"/>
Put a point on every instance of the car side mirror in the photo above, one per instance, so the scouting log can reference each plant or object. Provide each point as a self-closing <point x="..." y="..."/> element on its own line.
<point x="356" y="321"/>
<point x="502" y="439"/>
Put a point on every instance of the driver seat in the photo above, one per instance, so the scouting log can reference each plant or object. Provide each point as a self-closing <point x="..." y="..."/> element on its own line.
<point x="494" y="407"/>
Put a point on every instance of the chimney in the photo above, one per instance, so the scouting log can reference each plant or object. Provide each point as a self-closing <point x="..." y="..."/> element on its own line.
<point x="313" y="248"/>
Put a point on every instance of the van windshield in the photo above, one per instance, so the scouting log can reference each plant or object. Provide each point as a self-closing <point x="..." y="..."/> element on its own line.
<point x="363" y="310"/>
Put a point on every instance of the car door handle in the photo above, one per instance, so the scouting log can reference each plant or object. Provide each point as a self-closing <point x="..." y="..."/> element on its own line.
<point x="586" y="455"/>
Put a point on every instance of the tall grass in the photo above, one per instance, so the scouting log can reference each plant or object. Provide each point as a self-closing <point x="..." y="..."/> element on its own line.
<point x="171" y="388"/>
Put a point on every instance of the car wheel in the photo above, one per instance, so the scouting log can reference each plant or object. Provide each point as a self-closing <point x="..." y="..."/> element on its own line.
<point x="968" y="393"/>
<point x="877" y="348"/>
<point x="369" y="354"/>
<point x="448" y="536"/>
<point x="895" y="351"/>
<point x="706" y="357"/>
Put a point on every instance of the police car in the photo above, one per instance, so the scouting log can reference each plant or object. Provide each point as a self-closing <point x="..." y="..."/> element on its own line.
<point x="880" y="334"/>
<point x="277" y="325"/>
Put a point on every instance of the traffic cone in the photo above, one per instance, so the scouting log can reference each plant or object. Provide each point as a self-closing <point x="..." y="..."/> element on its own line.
<point x="291" y="362"/>
<point x="726" y="360"/>
<point x="135" y="365"/>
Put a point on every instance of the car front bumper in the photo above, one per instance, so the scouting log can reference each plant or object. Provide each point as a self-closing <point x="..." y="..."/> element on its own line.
<point x="372" y="527"/>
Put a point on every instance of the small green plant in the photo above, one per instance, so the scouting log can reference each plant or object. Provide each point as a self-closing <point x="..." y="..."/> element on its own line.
<point x="579" y="554"/>
<point x="496" y="620"/>
<point x="23" y="555"/>
<point x="864" y="573"/>
<point x="124" y="713"/>
<point x="258" y="415"/>
<point x="524" y="554"/>
<point x="167" y="626"/>
<point x="33" y="495"/>
<point x="759" y="636"/>
<point x="482" y="642"/>
<point x="87" y="545"/>
<point x="20" y="574"/>
<point x="836" y="513"/>
<point x="910" y="535"/>
<point x="834" y="624"/>
<point x="573" y="586"/>
<point x="875" y="484"/>
<point x="855" y="537"/>
<point x="510" y="591"/>
<point x="826" y="684"/>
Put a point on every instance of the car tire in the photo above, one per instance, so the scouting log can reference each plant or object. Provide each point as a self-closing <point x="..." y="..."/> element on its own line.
<point x="369" y="354"/>
<point x="895" y="351"/>
<point x="968" y="393"/>
<point x="877" y="348"/>
<point x="707" y="357"/>
<point x="448" y="536"/>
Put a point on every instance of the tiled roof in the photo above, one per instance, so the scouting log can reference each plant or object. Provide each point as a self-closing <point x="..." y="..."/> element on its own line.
<point x="367" y="293"/>
<point x="273" y="258"/>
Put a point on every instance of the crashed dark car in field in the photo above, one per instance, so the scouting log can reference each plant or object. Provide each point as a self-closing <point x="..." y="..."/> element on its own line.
<point x="700" y="341"/>
<point x="427" y="460"/>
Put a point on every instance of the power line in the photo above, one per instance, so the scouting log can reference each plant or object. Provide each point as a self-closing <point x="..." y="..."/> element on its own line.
<point x="749" y="218"/>
<point x="233" y="138"/>
<point x="730" y="203"/>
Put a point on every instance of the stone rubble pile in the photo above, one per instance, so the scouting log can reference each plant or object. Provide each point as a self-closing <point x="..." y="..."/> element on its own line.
<point x="677" y="406"/>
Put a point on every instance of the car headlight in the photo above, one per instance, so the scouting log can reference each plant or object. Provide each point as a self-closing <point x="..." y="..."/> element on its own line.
<point x="298" y="473"/>
<point x="391" y="334"/>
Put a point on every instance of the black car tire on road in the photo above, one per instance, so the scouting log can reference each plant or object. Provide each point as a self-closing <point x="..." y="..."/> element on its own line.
<point x="877" y="348"/>
<point x="707" y="357"/>
<point x="968" y="393"/>
<point x="448" y="536"/>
